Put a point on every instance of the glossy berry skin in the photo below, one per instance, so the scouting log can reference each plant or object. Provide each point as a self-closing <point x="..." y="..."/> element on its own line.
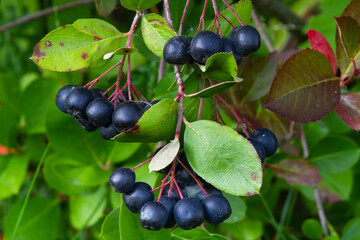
<point x="211" y="190"/>
<point x="229" y="46"/>
<point x="100" y="111"/>
<point x="176" y="51"/>
<point x="61" y="96"/>
<point x="247" y="40"/>
<point x="182" y="176"/>
<point x="173" y="193"/>
<point x="122" y="180"/>
<point x="268" y="139"/>
<point x="169" y="204"/>
<point x="126" y="115"/>
<point x="259" y="149"/>
<point x="217" y="209"/>
<point x="204" y="45"/>
<point x="86" y="124"/>
<point x="232" y="32"/>
<point x="189" y="213"/>
<point x="97" y="92"/>
<point x="188" y="41"/>
<point x="153" y="216"/>
<point x="139" y="195"/>
<point x="108" y="132"/>
<point x="77" y="101"/>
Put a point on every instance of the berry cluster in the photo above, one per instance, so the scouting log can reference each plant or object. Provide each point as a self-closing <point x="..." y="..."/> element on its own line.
<point x="241" y="42"/>
<point x="92" y="109"/>
<point x="187" y="204"/>
<point x="264" y="142"/>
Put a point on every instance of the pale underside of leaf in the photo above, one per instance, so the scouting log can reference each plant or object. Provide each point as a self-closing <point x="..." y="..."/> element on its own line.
<point x="165" y="156"/>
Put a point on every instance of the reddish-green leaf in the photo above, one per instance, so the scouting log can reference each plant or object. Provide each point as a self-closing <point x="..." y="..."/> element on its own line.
<point x="353" y="10"/>
<point x="138" y="4"/>
<point x="347" y="45"/>
<point x="105" y="7"/>
<point x="305" y="89"/>
<point x="348" y="109"/>
<point x="78" y="45"/>
<point x="320" y="44"/>
<point x="299" y="172"/>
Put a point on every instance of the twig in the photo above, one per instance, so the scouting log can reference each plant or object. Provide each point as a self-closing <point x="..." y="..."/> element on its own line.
<point x="241" y="23"/>
<point x="161" y="70"/>
<point x="304" y="144"/>
<point x="262" y="33"/>
<point x="183" y="16"/>
<point x="285" y="210"/>
<point x="320" y="210"/>
<point x="42" y="13"/>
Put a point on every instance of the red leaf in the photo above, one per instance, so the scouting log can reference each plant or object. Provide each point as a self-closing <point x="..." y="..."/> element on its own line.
<point x="305" y="89"/>
<point x="299" y="172"/>
<point x="319" y="43"/>
<point x="348" y="109"/>
<point x="4" y="150"/>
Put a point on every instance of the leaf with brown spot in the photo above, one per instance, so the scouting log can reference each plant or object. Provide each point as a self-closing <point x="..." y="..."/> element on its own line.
<point x="79" y="45"/>
<point x="156" y="31"/>
<point x="347" y="40"/>
<point x="305" y="89"/>
<point x="297" y="172"/>
<point x="348" y="109"/>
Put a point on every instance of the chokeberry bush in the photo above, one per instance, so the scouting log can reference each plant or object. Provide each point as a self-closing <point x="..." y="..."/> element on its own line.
<point x="179" y="119"/>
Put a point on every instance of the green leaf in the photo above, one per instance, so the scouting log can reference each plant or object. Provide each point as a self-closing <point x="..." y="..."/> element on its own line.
<point x="341" y="184"/>
<point x="156" y="31"/>
<point x="347" y="44"/>
<point x="138" y="4"/>
<point x="243" y="9"/>
<point x="72" y="176"/>
<point x="156" y="124"/>
<point x="131" y="229"/>
<point x="305" y="88"/>
<point x="221" y="67"/>
<point x="41" y="220"/>
<point x="86" y="210"/>
<point x="105" y="7"/>
<point x="312" y="229"/>
<point x="348" y="109"/>
<point x="351" y="230"/>
<point x="238" y="207"/>
<point x="110" y="228"/>
<point x="9" y="109"/>
<point x="12" y="174"/>
<point x="214" y="89"/>
<point x="78" y="45"/>
<point x="45" y="88"/>
<point x="331" y="157"/>
<point x="223" y="158"/>
<point x="298" y="172"/>
<point x="246" y="229"/>
<point x="165" y="156"/>
<point x="195" y="234"/>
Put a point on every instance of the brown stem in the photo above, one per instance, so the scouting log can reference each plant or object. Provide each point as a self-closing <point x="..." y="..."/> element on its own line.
<point x="161" y="69"/>
<point x="321" y="211"/>
<point x="262" y="33"/>
<point x="42" y="13"/>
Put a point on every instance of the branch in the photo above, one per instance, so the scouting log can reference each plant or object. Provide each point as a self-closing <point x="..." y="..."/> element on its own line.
<point x="42" y="13"/>
<point x="261" y="30"/>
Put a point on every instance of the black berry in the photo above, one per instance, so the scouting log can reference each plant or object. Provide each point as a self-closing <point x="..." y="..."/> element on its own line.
<point x="229" y="46"/>
<point x="232" y="32"/>
<point x="122" y="180"/>
<point x="204" y="45"/>
<point x="86" y="124"/>
<point x="61" y="96"/>
<point x="247" y="39"/>
<point x="153" y="216"/>
<point x="210" y="190"/>
<point x="188" y="41"/>
<point x="77" y="101"/>
<point x="267" y="138"/>
<point x="241" y="133"/>
<point x="97" y="92"/>
<point x="100" y="111"/>
<point x="189" y="213"/>
<point x="173" y="193"/>
<point x="108" y="132"/>
<point x="169" y="204"/>
<point x="126" y="115"/>
<point x="139" y="195"/>
<point x="217" y="209"/>
<point x="259" y="149"/>
<point x="176" y="51"/>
